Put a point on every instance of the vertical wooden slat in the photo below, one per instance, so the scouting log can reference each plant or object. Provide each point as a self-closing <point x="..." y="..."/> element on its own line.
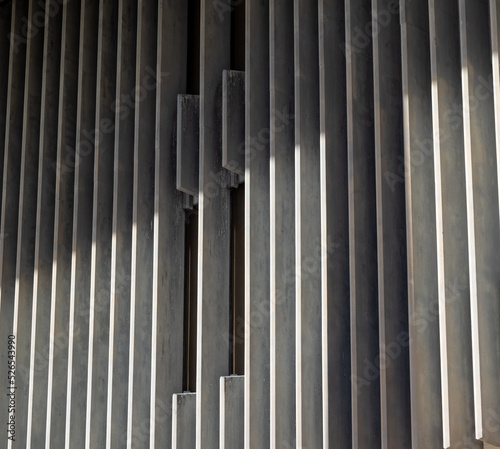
<point x="141" y="295"/>
<point x="27" y="220"/>
<point x="188" y="144"/>
<point x="102" y="219"/>
<point x="337" y="428"/>
<point x="362" y="227"/>
<point x="233" y="121"/>
<point x="5" y="25"/>
<point x="214" y="232"/>
<point x="10" y="189"/>
<point x="391" y="228"/>
<point x="482" y="212"/>
<point x="39" y="355"/>
<point x="307" y="227"/>
<point x="232" y="389"/>
<point x="119" y="324"/>
<point x="63" y="228"/>
<point x="425" y="380"/>
<point x="169" y="223"/>
<point x="451" y="226"/>
<point x="282" y="236"/>
<point x="82" y="227"/>
<point x="495" y="62"/>
<point x="257" y="288"/>
<point x="183" y="421"/>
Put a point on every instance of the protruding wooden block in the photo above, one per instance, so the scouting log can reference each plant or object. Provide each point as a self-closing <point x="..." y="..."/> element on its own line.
<point x="231" y="412"/>
<point x="188" y="143"/>
<point x="184" y="421"/>
<point x="233" y="121"/>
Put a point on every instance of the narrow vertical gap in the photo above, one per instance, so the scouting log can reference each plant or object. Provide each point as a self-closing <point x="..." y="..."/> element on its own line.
<point x="193" y="54"/>
<point x="191" y="248"/>
<point x="238" y="36"/>
<point x="190" y="305"/>
<point x="238" y="280"/>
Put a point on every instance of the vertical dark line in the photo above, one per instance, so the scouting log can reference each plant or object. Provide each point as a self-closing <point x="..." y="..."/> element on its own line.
<point x="194" y="303"/>
<point x="238" y="36"/>
<point x="193" y="59"/>
<point x="237" y="303"/>
<point x="187" y="310"/>
<point x="190" y="304"/>
<point x="232" y="323"/>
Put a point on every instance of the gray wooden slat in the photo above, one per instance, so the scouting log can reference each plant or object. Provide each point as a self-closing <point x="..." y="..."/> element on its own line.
<point x="233" y="121"/>
<point x="495" y="59"/>
<point x="169" y="225"/>
<point x="27" y="221"/>
<point x="102" y="220"/>
<point x="391" y="228"/>
<point x="495" y="62"/>
<point x="141" y="296"/>
<point x="183" y="421"/>
<point x="481" y="167"/>
<point x="5" y="24"/>
<point x="334" y="254"/>
<point x="308" y="337"/>
<point x="257" y="216"/>
<point x="214" y="229"/>
<point x="232" y="396"/>
<point x="451" y="227"/>
<point x="123" y="172"/>
<point x="63" y="228"/>
<point x="44" y="240"/>
<point x="425" y="379"/>
<point x="362" y="228"/>
<point x="282" y="235"/>
<point x="188" y="144"/>
<point x="10" y="192"/>
<point x="79" y="298"/>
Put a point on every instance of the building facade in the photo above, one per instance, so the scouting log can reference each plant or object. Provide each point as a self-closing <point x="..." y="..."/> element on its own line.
<point x="250" y="224"/>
